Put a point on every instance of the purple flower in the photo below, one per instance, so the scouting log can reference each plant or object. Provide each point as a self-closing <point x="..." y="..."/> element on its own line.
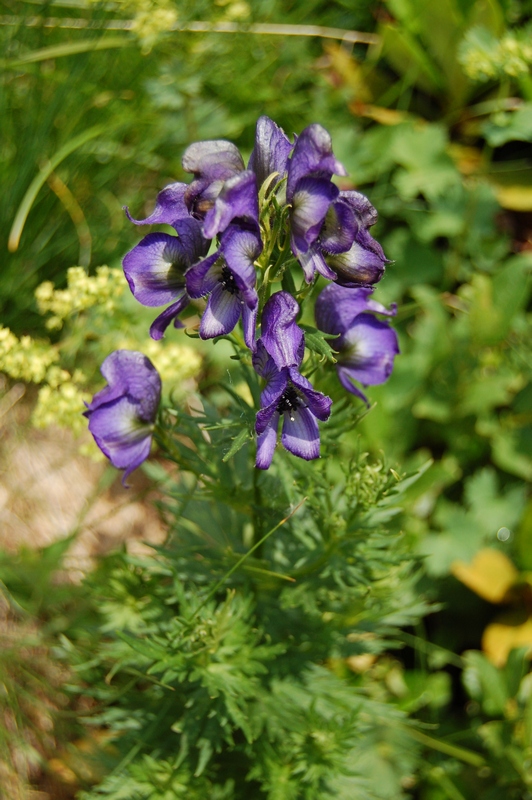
<point x="121" y="416"/>
<point x="310" y="192"/>
<point x="211" y="163"/>
<point x="155" y="270"/>
<point x="366" y="346"/>
<point x="228" y="277"/>
<point x="329" y="228"/>
<point x="349" y="249"/>
<point x="277" y="359"/>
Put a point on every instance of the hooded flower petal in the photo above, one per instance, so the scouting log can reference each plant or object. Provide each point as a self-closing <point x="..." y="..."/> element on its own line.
<point x="122" y="414"/>
<point x="271" y="151"/>
<point x="337" y="306"/>
<point x="169" y="207"/>
<point x="282" y="338"/>
<point x="212" y="163"/>
<point x="312" y="156"/>
<point x="238" y="198"/>
<point x="213" y="160"/>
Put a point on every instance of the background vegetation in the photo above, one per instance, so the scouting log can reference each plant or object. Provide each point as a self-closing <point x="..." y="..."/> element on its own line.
<point x="376" y="645"/>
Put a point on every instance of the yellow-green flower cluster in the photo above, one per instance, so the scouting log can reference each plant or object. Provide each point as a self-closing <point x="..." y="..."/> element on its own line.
<point x="82" y="292"/>
<point x="484" y="57"/>
<point x="61" y="405"/>
<point x="25" y="359"/>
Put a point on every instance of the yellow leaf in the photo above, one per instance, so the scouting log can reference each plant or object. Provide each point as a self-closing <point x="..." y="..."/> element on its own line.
<point x="490" y="575"/>
<point x="501" y="637"/>
<point x="515" y="198"/>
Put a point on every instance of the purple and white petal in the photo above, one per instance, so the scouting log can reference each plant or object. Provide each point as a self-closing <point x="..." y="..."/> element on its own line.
<point x="136" y="376"/>
<point x="280" y="334"/>
<point x="241" y="248"/>
<point x="237" y="199"/>
<point x="155" y="269"/>
<point x="215" y="160"/>
<point x="300" y="434"/>
<point x="271" y="151"/>
<point x="367" y="350"/>
<point x="160" y="323"/>
<point x="310" y="204"/>
<point x="169" y="207"/>
<point x="266" y="442"/>
<point x="312" y="156"/>
<point x="249" y="326"/>
<point x="221" y="314"/>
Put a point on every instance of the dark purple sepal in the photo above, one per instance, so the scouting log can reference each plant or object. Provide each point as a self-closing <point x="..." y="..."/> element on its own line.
<point x="362" y="265"/>
<point x="312" y="156"/>
<point x="266" y="442"/>
<point x="366" y="213"/>
<point x="318" y="403"/>
<point x="241" y="248"/>
<point x="300" y="434"/>
<point x="197" y="282"/>
<point x="169" y="207"/>
<point x="339" y="228"/>
<point x="155" y="269"/>
<point x="337" y="306"/>
<point x="310" y="204"/>
<point x="366" y="350"/>
<point x="237" y="199"/>
<point x="313" y="261"/>
<point x="282" y="338"/>
<point x="271" y="151"/>
<point x="160" y="323"/>
<point x="221" y="314"/>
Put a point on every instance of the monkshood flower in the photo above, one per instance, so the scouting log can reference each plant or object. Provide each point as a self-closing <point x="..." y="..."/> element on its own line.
<point x="121" y="416"/>
<point x="228" y="278"/>
<point x="155" y="269"/>
<point x="223" y="190"/>
<point x="329" y="228"/>
<point x="366" y="346"/>
<point x="287" y="393"/>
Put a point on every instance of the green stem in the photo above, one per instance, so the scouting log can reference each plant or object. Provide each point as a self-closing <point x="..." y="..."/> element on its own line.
<point x="244" y="557"/>
<point x="461" y="753"/>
